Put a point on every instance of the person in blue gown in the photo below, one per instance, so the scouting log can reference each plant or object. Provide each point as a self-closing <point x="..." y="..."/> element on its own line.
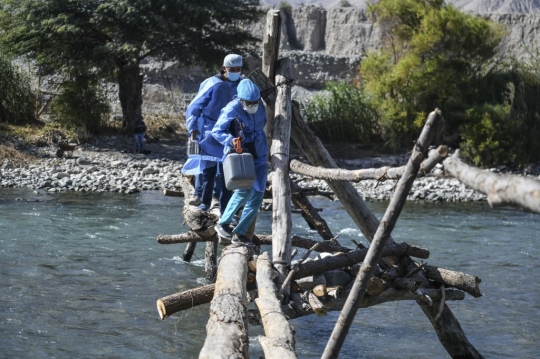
<point x="249" y="111"/>
<point x="202" y="114"/>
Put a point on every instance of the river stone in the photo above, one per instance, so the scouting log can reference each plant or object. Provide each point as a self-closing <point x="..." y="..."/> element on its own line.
<point x="83" y="161"/>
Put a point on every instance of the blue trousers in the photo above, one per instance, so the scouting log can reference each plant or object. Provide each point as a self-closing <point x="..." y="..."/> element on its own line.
<point x="214" y="185"/>
<point x="219" y="184"/>
<point x="252" y="200"/>
<point x="139" y="142"/>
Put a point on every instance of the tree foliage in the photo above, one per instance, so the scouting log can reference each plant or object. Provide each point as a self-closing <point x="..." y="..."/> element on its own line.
<point x="345" y="114"/>
<point x="432" y="52"/>
<point x="17" y="100"/>
<point x="112" y="37"/>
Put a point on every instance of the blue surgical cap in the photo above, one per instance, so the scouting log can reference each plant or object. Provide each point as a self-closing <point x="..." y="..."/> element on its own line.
<point x="232" y="60"/>
<point x="248" y="91"/>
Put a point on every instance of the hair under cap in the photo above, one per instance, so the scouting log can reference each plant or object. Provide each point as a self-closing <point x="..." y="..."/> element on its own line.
<point x="248" y="91"/>
<point x="232" y="60"/>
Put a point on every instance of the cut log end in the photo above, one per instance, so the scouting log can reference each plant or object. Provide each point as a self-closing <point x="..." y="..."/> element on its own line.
<point x="162" y="311"/>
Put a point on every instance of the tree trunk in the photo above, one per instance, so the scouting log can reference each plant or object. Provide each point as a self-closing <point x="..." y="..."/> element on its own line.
<point x="278" y="342"/>
<point x="130" y="82"/>
<point x="226" y="330"/>
<point x="281" y="188"/>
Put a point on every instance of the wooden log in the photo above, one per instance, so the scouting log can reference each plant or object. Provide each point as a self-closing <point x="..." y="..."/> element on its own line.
<point x="347" y="259"/>
<point x="381" y="237"/>
<point x="173" y="303"/>
<point x="389" y="295"/>
<point x="320" y="290"/>
<point x="462" y="281"/>
<point x="188" y="252"/>
<point x="278" y="341"/>
<point x="172" y="193"/>
<point x="316" y="304"/>
<point x="411" y="284"/>
<point x="307" y="243"/>
<point x="281" y="190"/>
<point x="500" y="189"/>
<point x="226" y="331"/>
<point x="310" y="213"/>
<point x="376" y="286"/>
<point x="270" y="56"/>
<point x="190" y="236"/>
<point x="380" y="174"/>
<point x="210" y="264"/>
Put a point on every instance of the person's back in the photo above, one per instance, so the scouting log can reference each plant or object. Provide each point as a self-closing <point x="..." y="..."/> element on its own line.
<point x="201" y="116"/>
<point x="139" y="130"/>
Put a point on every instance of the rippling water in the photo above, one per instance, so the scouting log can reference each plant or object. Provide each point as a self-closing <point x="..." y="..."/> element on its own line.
<point x="80" y="275"/>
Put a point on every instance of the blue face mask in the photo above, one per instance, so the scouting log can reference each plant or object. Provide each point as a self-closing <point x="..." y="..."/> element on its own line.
<point x="233" y="76"/>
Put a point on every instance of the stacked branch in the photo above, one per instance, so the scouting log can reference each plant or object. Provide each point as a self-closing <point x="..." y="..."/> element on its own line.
<point x="500" y="189"/>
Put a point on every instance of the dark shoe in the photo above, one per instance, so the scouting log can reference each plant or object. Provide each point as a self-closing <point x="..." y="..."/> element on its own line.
<point x="194" y="201"/>
<point x="203" y="207"/>
<point x="223" y="230"/>
<point x="240" y="238"/>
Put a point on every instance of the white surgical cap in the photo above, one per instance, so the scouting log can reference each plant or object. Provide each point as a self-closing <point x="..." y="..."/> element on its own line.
<point x="232" y="60"/>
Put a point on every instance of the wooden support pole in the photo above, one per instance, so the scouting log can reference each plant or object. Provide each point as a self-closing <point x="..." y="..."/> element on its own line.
<point x="310" y="213"/>
<point x="281" y="190"/>
<point x="382" y="173"/>
<point x="381" y="237"/>
<point x="500" y="189"/>
<point x="278" y="342"/>
<point x="271" y="43"/>
<point x="226" y="331"/>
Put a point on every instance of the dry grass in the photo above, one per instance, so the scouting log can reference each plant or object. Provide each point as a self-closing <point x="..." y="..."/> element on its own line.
<point x="17" y="158"/>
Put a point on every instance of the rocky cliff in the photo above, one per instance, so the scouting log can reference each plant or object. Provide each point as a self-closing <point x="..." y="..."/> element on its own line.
<point x="324" y="44"/>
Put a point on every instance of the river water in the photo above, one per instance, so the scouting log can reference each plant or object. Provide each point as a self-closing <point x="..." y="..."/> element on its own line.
<point x="81" y="272"/>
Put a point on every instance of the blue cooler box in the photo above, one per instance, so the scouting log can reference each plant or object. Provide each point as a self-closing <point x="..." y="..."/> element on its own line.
<point x="239" y="171"/>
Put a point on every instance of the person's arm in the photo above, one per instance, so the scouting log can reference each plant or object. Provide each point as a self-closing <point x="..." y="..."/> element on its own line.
<point x="195" y="109"/>
<point x="221" y="131"/>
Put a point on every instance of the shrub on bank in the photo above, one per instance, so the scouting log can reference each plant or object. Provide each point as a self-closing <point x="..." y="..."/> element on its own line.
<point x="81" y="104"/>
<point x="17" y="100"/>
<point x="345" y="114"/>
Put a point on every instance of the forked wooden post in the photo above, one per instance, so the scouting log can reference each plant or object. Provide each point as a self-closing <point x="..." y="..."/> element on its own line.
<point x="281" y="188"/>
<point x="381" y="238"/>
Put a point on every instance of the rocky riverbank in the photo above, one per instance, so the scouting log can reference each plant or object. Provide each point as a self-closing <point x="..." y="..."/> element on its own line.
<point x="105" y="166"/>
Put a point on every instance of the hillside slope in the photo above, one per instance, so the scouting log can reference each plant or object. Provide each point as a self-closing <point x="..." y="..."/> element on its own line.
<point x="475" y="6"/>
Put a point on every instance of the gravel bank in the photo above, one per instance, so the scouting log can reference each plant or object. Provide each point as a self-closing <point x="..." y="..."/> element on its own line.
<point x="103" y="168"/>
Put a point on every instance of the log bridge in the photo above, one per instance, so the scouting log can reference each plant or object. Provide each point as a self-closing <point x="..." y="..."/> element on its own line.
<point x="337" y="278"/>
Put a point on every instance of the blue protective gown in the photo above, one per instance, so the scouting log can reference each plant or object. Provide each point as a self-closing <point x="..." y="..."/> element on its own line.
<point x="253" y="133"/>
<point x="202" y="114"/>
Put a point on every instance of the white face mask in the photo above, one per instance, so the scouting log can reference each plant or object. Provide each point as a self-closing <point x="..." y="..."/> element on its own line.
<point x="251" y="110"/>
